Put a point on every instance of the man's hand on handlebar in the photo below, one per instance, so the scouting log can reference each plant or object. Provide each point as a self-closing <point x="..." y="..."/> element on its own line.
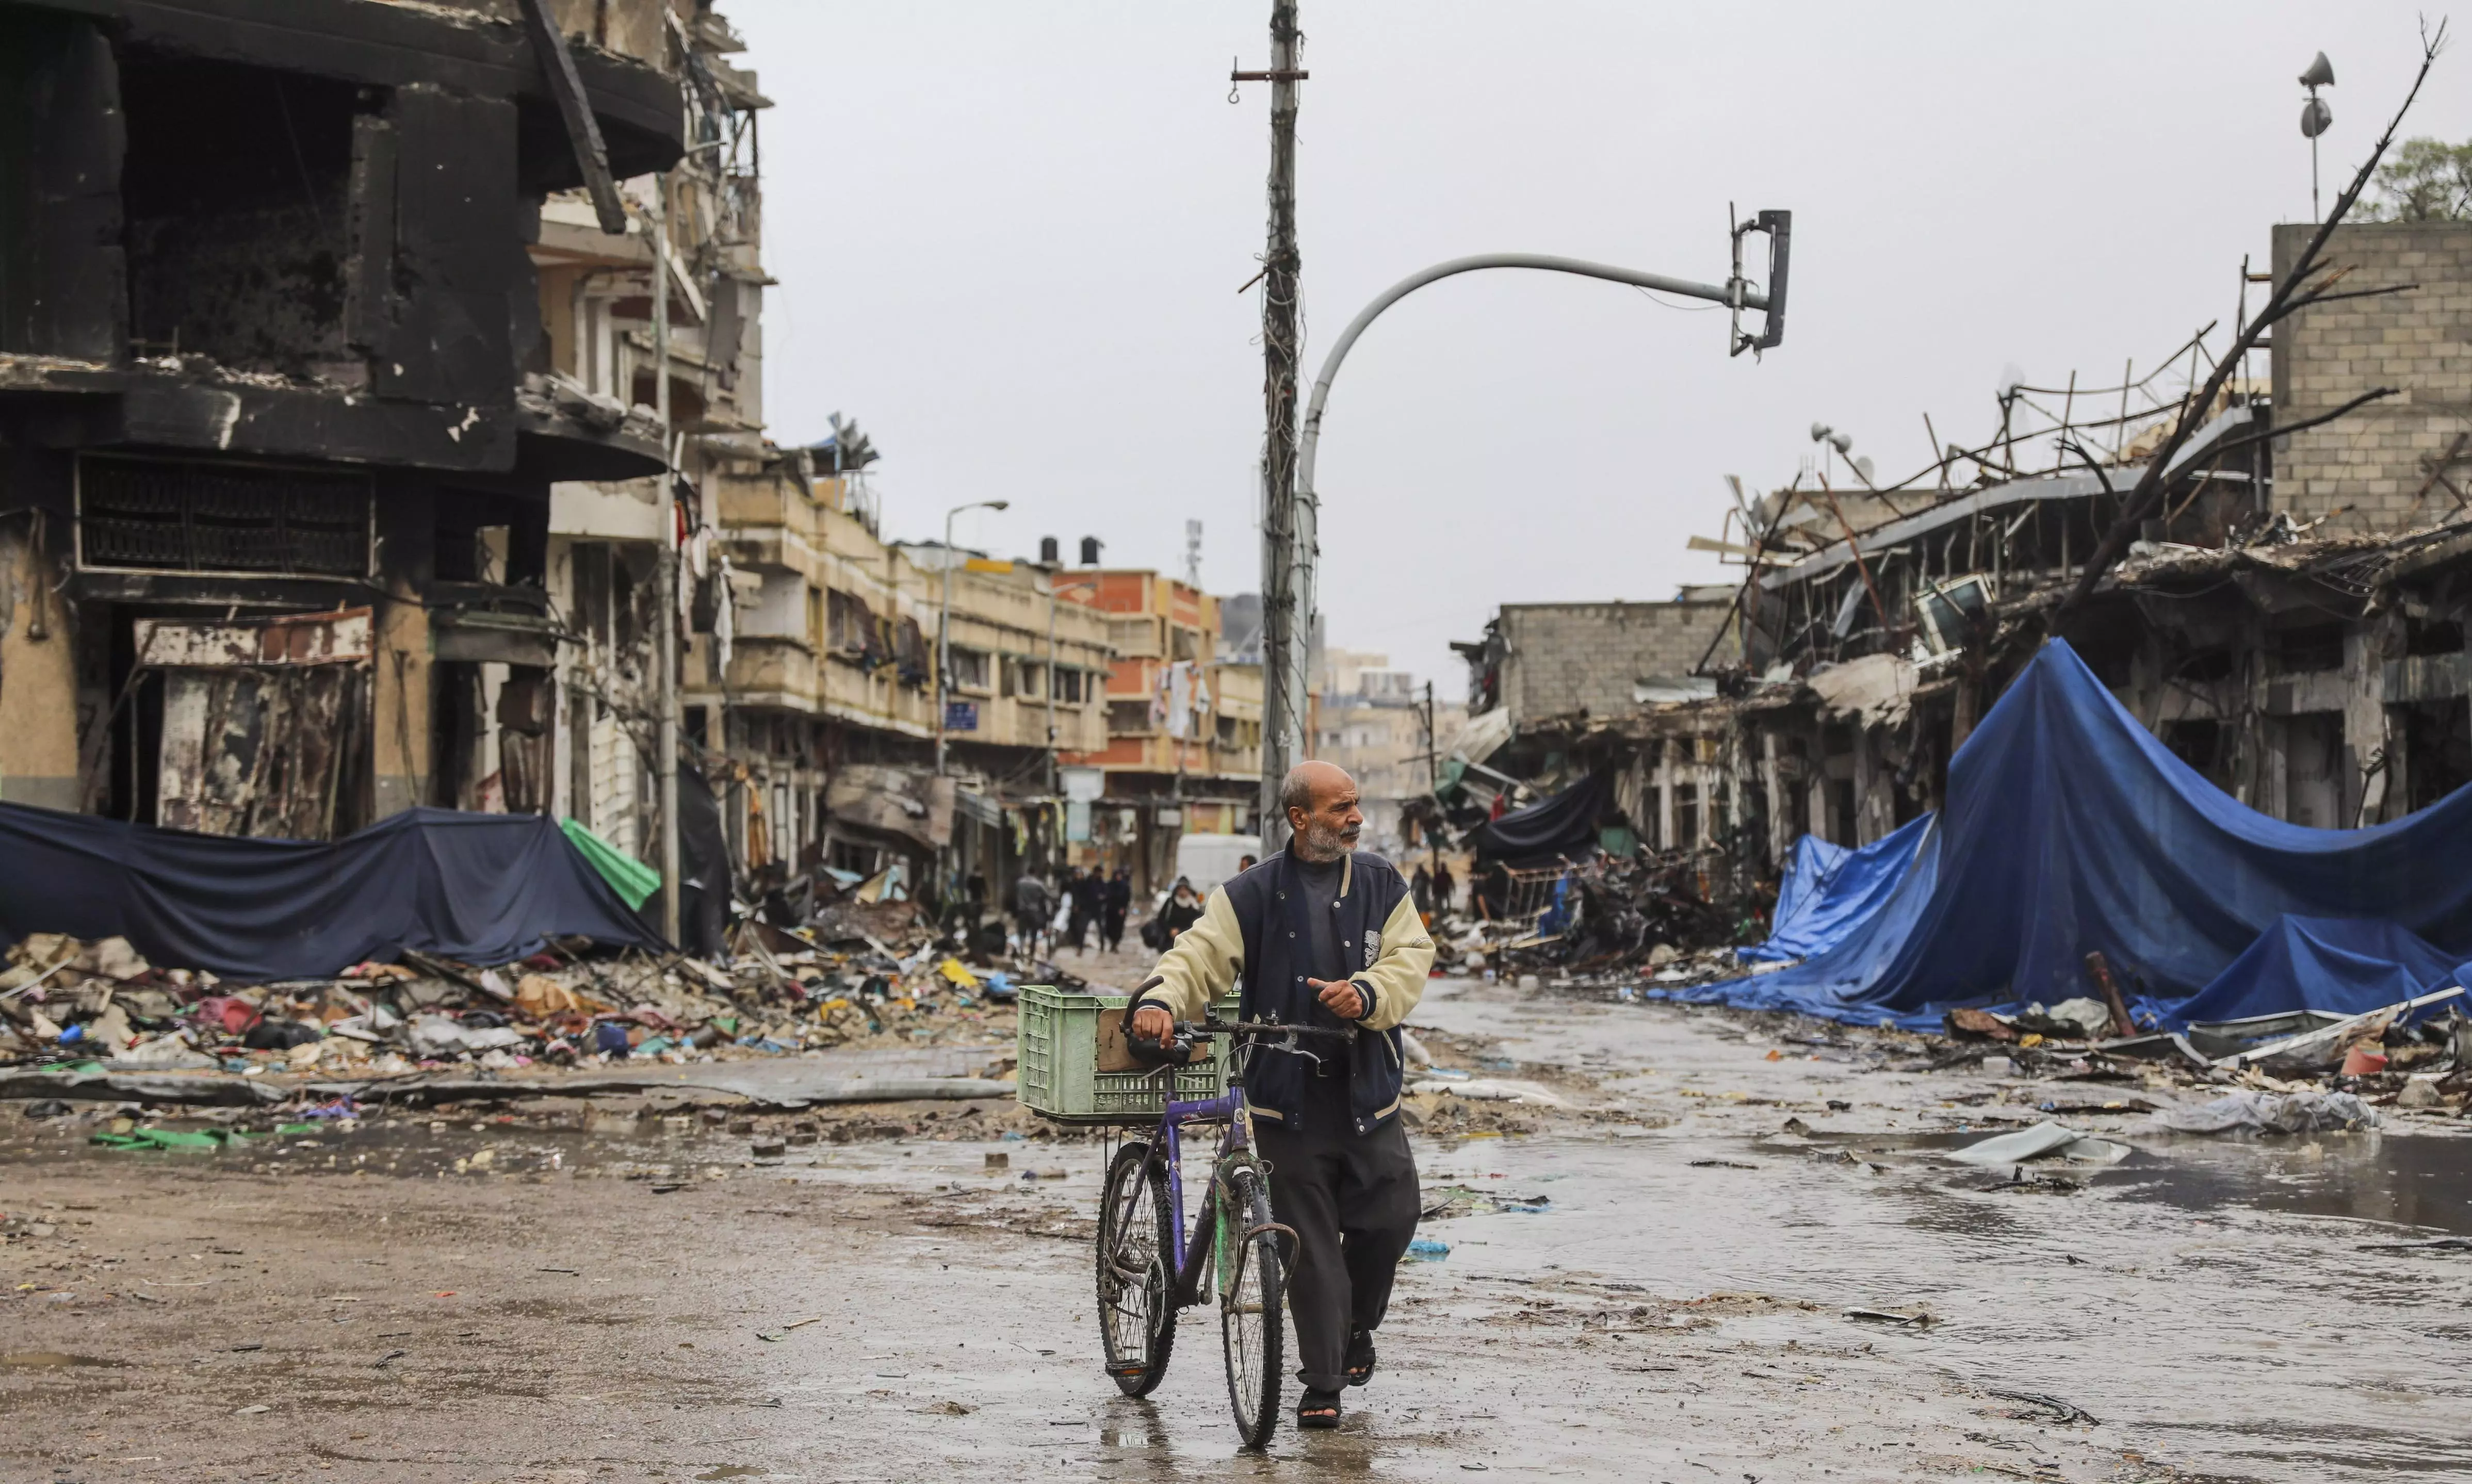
<point x="1152" y="1023"/>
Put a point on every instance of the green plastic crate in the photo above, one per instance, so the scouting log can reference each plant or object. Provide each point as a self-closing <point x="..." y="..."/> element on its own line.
<point x="1058" y="1075"/>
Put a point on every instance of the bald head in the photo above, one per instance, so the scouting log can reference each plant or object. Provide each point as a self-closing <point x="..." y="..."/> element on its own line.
<point x="1322" y="803"/>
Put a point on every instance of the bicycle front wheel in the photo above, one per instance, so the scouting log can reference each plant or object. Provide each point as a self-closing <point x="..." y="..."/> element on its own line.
<point x="1136" y="1232"/>
<point x="1252" y="1292"/>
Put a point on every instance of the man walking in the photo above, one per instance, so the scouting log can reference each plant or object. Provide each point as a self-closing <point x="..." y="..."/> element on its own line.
<point x="1321" y="935"/>
<point x="1032" y="905"/>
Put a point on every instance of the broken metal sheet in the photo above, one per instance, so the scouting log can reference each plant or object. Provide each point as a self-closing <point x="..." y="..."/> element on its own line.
<point x="494" y="638"/>
<point x="1667" y="690"/>
<point x="345" y="637"/>
<point x="907" y="802"/>
<point x="2217" y="1039"/>
<point x="1877" y="688"/>
<point x="263" y="721"/>
<point x="2043" y="1138"/>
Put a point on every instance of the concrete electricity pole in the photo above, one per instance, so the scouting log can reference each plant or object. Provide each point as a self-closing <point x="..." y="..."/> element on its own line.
<point x="666" y="730"/>
<point x="1287" y="520"/>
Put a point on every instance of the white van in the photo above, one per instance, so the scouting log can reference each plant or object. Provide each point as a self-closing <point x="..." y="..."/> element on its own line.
<point x="1207" y="860"/>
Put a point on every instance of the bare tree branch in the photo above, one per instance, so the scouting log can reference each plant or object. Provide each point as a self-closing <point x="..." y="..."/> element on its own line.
<point x="2296" y="305"/>
<point x="2306" y="423"/>
<point x="2102" y="477"/>
<point x="2149" y="490"/>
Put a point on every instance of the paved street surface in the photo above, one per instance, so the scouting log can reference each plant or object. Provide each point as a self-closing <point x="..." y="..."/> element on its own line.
<point x="1651" y="1284"/>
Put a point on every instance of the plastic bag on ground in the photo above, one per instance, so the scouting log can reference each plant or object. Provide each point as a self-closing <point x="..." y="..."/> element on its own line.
<point x="2272" y="1112"/>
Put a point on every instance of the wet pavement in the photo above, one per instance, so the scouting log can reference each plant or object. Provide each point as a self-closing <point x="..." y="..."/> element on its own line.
<point x="1654" y="1285"/>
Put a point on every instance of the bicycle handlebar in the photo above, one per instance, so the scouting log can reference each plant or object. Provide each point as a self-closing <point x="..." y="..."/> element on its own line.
<point x="1294" y="1037"/>
<point x="1267" y="1029"/>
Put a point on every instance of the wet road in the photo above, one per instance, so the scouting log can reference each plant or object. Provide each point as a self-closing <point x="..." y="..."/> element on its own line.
<point x="1658" y="1295"/>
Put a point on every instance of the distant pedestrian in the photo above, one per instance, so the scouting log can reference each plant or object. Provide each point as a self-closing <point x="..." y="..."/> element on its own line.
<point x="1088" y="896"/>
<point x="1445" y="889"/>
<point x="1033" y="906"/>
<point x="1420" y="890"/>
<point x="1115" y="905"/>
<point x="1245" y="864"/>
<point x="1182" y="911"/>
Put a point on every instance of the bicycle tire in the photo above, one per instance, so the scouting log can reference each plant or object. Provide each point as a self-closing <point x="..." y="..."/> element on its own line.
<point x="1136" y="1234"/>
<point x="1252" y="1299"/>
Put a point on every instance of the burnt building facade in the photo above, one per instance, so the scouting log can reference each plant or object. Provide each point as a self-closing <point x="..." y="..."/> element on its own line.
<point x="279" y="420"/>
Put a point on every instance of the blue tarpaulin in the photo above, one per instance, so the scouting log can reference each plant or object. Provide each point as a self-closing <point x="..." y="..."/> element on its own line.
<point x="484" y="888"/>
<point x="1830" y="889"/>
<point x="2070" y="828"/>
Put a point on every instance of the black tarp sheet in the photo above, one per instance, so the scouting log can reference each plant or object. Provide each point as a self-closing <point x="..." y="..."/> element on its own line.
<point x="1550" y="829"/>
<point x="484" y="888"/>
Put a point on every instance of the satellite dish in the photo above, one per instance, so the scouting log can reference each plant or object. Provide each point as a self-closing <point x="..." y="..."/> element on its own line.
<point x="2314" y="118"/>
<point x="2321" y="73"/>
<point x="1863" y="466"/>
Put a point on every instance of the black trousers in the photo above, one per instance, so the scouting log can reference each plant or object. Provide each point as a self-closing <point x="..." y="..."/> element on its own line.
<point x="1352" y="1201"/>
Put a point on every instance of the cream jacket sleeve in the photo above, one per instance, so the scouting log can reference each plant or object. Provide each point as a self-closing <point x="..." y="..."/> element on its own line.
<point x="1397" y="977"/>
<point x="1201" y="964"/>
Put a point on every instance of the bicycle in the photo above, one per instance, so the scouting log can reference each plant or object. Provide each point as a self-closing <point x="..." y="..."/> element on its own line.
<point x="1149" y="1270"/>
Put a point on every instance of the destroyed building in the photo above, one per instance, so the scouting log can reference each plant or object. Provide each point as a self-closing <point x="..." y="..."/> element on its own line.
<point x="2291" y="623"/>
<point x="280" y="411"/>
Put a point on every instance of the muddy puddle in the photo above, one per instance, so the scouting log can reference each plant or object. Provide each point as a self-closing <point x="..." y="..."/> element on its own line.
<point x="2207" y="1299"/>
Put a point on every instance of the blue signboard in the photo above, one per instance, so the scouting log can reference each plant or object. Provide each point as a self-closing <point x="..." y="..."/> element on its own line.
<point x="961" y="716"/>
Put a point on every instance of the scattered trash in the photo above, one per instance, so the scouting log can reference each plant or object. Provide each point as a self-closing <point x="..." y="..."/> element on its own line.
<point x="2273" y="1113"/>
<point x="1425" y="1249"/>
<point x="1491" y="1090"/>
<point x="2420" y="1092"/>
<point x="2043" y="1138"/>
<point x="1722" y="1165"/>
<point x="2440" y="1244"/>
<point x="2056" y="1410"/>
<point x="1920" y="1319"/>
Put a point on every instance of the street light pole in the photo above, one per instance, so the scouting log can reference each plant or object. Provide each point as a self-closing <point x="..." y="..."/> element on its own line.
<point x="1284" y="671"/>
<point x="945" y="624"/>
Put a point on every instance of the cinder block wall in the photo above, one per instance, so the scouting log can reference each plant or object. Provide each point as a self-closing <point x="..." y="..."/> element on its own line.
<point x="1567" y="657"/>
<point x="2374" y="459"/>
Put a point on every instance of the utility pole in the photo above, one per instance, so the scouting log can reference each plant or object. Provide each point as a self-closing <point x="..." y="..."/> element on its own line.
<point x="1287" y="526"/>
<point x="666" y="732"/>
<point x="1433" y="842"/>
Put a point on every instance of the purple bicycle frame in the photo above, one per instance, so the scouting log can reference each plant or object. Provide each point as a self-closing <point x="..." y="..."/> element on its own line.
<point x="1227" y="1106"/>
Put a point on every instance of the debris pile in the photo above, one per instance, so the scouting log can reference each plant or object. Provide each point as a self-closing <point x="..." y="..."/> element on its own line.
<point x="101" y="1006"/>
<point x="1605" y="919"/>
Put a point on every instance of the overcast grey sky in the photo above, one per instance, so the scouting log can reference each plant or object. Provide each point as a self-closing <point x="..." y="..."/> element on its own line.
<point x="1009" y="239"/>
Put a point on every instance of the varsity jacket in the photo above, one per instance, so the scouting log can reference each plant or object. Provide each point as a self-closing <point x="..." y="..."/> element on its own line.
<point x="1254" y="930"/>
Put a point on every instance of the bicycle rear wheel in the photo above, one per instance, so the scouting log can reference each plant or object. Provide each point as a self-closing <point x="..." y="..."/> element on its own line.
<point x="1136" y="1232"/>
<point x="1253" y="1293"/>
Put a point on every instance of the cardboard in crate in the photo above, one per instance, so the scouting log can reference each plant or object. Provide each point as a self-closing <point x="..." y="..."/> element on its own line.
<point x="1074" y="1066"/>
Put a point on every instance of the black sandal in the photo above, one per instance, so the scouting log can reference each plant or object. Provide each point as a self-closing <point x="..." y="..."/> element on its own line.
<point x="1318" y="1409"/>
<point x="1360" y="1357"/>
